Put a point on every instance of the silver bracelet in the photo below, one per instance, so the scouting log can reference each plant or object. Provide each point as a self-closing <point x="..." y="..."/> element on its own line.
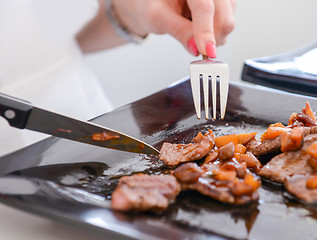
<point x="119" y="28"/>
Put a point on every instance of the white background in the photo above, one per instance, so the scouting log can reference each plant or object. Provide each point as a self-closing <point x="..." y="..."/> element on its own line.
<point x="263" y="28"/>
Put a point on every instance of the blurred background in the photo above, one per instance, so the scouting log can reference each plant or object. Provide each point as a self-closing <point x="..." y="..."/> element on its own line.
<point x="263" y="28"/>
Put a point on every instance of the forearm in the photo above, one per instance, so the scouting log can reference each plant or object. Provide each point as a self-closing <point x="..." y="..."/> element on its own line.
<point x="98" y="34"/>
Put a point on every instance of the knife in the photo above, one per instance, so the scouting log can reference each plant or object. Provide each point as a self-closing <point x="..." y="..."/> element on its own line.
<point x="21" y="114"/>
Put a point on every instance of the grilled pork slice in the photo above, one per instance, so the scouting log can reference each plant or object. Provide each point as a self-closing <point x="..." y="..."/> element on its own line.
<point x="220" y="180"/>
<point x="286" y="164"/>
<point x="289" y="163"/>
<point x="173" y="154"/>
<point x="296" y="185"/>
<point x="143" y="192"/>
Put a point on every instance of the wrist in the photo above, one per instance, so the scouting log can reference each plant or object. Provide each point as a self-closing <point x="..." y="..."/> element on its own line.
<point x="120" y="27"/>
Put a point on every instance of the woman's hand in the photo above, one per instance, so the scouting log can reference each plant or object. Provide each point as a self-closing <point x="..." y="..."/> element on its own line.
<point x="199" y="25"/>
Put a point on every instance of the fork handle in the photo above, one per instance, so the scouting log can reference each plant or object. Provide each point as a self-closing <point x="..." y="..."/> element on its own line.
<point x="205" y="57"/>
<point x="14" y="110"/>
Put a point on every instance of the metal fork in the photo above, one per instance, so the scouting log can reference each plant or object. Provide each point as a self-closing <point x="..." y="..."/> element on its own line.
<point x="207" y="70"/>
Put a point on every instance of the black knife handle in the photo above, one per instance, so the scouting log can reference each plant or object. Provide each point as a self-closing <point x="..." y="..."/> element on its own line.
<point x="14" y="110"/>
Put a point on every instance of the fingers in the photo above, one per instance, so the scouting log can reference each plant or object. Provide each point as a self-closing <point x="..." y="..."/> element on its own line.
<point x="233" y="4"/>
<point x="199" y="25"/>
<point x="212" y="20"/>
<point x="224" y="19"/>
<point x="202" y="12"/>
<point x="179" y="27"/>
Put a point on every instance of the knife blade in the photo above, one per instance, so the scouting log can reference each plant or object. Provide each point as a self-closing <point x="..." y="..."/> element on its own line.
<point x="21" y="114"/>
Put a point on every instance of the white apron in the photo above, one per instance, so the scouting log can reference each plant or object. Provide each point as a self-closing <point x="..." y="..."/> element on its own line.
<point x="41" y="63"/>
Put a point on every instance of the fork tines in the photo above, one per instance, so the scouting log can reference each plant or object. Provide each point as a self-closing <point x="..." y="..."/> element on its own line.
<point x="209" y="70"/>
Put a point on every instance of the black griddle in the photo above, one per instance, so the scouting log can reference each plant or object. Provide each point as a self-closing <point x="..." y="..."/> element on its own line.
<point x="73" y="182"/>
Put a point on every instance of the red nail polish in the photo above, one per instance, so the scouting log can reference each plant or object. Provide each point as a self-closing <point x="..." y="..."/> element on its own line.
<point x="211" y="50"/>
<point x="192" y="47"/>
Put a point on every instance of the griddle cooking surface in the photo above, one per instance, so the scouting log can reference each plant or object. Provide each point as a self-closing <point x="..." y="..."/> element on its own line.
<point x="73" y="182"/>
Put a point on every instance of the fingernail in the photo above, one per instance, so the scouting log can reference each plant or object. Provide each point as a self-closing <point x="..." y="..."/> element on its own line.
<point x="211" y="50"/>
<point x="192" y="47"/>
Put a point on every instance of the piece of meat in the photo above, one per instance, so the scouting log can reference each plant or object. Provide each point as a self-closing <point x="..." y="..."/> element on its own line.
<point x="310" y="130"/>
<point x="268" y="146"/>
<point x="284" y="165"/>
<point x="296" y="185"/>
<point x="173" y="154"/>
<point x="226" y="152"/>
<point x="212" y="180"/>
<point x="240" y="169"/>
<point x="188" y="172"/>
<point x="211" y="156"/>
<point x="301" y="119"/>
<point x="143" y="192"/>
<point x="305" y="118"/>
<point x="208" y="187"/>
<point x="272" y="146"/>
<point x="251" y="161"/>
<point x="289" y="163"/>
